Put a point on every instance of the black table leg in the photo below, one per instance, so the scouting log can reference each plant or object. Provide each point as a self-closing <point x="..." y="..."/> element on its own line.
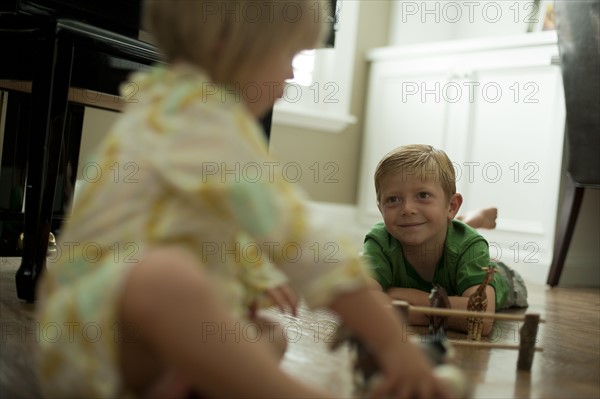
<point x="49" y="104"/>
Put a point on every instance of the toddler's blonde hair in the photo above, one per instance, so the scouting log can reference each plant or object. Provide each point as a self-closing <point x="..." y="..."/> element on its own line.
<point x="240" y="31"/>
<point x="418" y="159"/>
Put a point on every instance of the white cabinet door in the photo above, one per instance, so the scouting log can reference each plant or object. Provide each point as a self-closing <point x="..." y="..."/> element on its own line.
<point x="513" y="158"/>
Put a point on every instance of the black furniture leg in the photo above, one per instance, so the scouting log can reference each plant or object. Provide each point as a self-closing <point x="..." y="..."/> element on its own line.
<point x="573" y="197"/>
<point x="69" y="161"/>
<point x="49" y="103"/>
<point x="14" y="168"/>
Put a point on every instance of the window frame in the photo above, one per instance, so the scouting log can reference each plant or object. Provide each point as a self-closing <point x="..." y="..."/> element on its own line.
<point x="325" y="104"/>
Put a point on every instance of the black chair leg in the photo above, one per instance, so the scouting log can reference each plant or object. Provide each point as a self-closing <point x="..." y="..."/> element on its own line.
<point x="69" y="161"/>
<point x="13" y="172"/>
<point x="49" y="104"/>
<point x="573" y="197"/>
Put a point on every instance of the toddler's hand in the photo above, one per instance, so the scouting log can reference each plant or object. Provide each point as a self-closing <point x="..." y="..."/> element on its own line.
<point x="284" y="298"/>
<point x="408" y="374"/>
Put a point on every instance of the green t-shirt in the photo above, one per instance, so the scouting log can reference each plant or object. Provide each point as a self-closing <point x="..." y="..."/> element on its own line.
<point x="465" y="253"/>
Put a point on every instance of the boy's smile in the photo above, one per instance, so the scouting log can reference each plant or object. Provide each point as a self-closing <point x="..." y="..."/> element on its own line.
<point x="415" y="210"/>
<point x="410" y="225"/>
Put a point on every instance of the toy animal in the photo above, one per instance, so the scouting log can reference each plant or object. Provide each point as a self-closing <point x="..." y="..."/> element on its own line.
<point x="438" y="298"/>
<point x="478" y="303"/>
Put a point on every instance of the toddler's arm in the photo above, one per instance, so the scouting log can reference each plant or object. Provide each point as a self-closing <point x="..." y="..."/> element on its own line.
<point x="407" y="372"/>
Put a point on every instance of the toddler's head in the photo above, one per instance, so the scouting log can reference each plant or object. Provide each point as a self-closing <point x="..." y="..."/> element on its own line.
<point x="418" y="160"/>
<point x="229" y="38"/>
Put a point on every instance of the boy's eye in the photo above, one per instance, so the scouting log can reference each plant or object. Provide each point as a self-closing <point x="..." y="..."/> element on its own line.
<point x="424" y="195"/>
<point x="392" y="200"/>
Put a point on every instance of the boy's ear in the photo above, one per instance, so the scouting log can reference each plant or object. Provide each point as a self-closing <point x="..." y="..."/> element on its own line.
<point x="454" y="206"/>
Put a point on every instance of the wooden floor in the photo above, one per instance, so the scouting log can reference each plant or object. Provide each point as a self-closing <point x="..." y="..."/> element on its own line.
<point x="568" y="367"/>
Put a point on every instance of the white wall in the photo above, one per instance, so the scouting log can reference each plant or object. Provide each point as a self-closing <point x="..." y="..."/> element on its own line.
<point x="426" y="21"/>
<point x="96" y="123"/>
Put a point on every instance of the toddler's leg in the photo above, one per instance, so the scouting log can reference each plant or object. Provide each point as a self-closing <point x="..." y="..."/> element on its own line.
<point x="480" y="218"/>
<point x="175" y="309"/>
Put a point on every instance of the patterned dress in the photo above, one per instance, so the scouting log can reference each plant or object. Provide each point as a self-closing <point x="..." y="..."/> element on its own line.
<point x="185" y="164"/>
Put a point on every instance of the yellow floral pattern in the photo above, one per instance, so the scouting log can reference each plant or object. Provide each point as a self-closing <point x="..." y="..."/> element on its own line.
<point x="169" y="171"/>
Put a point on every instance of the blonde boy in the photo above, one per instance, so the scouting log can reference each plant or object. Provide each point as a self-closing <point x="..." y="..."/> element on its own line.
<point x="419" y="241"/>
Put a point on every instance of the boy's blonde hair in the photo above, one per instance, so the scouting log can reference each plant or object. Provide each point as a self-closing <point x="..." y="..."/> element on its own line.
<point x="418" y="159"/>
<point x="241" y="31"/>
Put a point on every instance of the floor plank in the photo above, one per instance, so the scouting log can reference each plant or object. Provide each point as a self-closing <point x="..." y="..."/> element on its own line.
<point x="18" y="334"/>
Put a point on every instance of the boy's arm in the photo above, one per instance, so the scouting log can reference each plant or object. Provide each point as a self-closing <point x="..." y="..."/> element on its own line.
<point x="421" y="298"/>
<point x="415" y="298"/>
<point x="470" y="273"/>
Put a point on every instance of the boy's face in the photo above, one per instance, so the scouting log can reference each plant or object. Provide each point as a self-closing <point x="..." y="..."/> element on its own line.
<point x="415" y="210"/>
<point x="265" y="83"/>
